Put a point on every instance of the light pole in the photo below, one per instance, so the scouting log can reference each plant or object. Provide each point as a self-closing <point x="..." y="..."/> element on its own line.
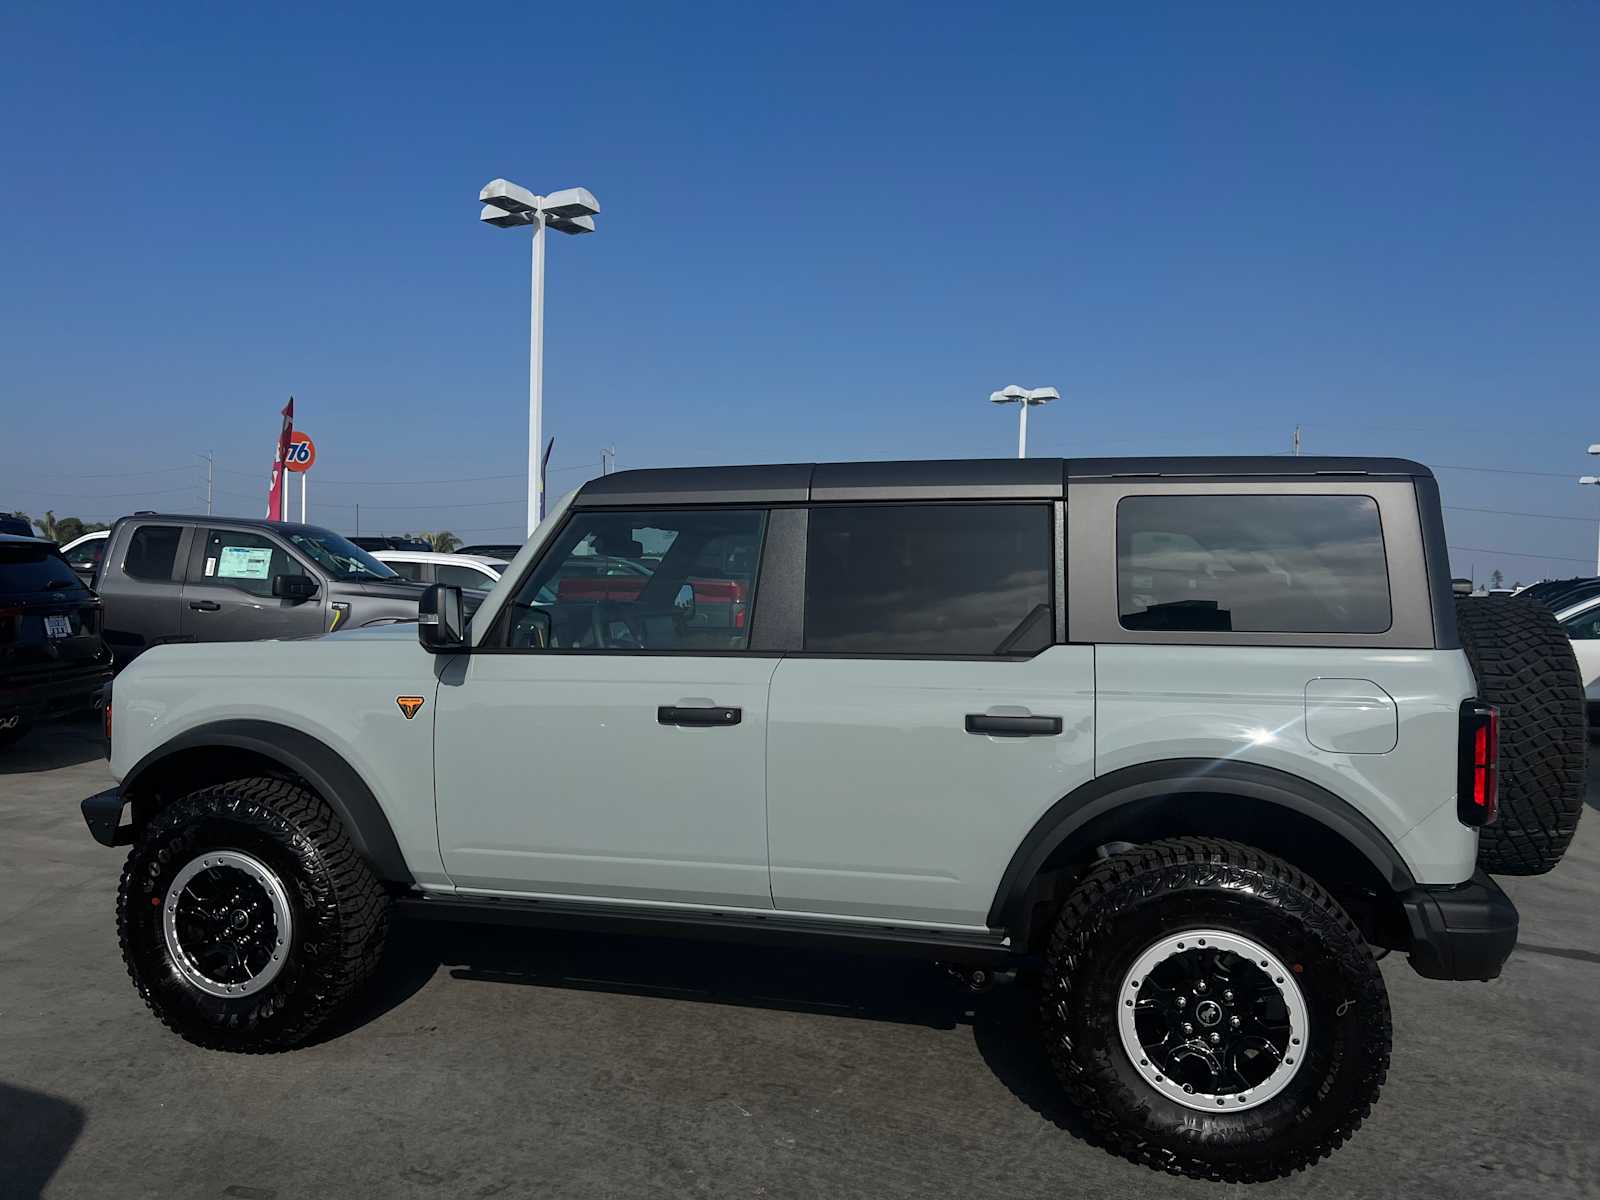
<point x="1024" y="399"/>
<point x="571" y="210"/>
<point x="1594" y="479"/>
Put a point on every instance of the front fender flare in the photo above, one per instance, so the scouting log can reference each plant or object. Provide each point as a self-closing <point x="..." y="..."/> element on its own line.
<point x="322" y="767"/>
<point x="1173" y="776"/>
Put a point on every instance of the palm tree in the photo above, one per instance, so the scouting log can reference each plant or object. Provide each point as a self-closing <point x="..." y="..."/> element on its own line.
<point x="443" y="542"/>
<point x="48" y="526"/>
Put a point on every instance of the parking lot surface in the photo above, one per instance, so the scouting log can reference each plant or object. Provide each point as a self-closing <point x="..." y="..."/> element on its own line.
<point x="500" y="1062"/>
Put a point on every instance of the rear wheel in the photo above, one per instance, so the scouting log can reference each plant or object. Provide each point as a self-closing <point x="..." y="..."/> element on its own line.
<point x="246" y="917"/>
<point x="1525" y="668"/>
<point x="1213" y="1011"/>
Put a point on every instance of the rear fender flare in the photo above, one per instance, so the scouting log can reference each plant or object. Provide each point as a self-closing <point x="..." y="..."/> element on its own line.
<point x="1179" y="776"/>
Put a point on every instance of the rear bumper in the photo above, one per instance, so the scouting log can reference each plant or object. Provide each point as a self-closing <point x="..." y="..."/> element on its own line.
<point x="56" y="694"/>
<point x="1462" y="932"/>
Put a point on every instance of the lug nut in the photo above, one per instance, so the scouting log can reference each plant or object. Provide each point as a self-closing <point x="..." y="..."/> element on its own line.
<point x="1188" y="1028"/>
<point x="1227" y="996"/>
<point x="1182" y="1000"/>
<point x="1233" y="1022"/>
<point x="1200" y="987"/>
<point x="1215" y="1038"/>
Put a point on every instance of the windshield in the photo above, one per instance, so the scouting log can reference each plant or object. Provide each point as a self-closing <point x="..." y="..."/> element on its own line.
<point x="339" y="557"/>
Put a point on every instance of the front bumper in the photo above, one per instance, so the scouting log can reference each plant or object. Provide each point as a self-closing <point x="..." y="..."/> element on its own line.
<point x="1462" y="932"/>
<point x="102" y="813"/>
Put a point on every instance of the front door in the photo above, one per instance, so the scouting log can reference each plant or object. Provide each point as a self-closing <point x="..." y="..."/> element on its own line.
<point x="931" y="719"/>
<point x="228" y="594"/>
<point x="607" y="739"/>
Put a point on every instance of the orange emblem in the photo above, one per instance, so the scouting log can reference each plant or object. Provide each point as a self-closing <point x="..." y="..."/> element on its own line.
<point x="409" y="705"/>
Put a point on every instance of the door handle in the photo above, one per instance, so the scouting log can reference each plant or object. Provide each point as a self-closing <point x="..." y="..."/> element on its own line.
<point x="999" y="725"/>
<point x="677" y="714"/>
<point x="204" y="605"/>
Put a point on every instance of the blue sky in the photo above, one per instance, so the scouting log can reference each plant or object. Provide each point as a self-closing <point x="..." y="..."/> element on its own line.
<point x="828" y="232"/>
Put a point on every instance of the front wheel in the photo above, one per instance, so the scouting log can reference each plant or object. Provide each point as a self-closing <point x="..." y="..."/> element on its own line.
<point x="246" y="917"/>
<point x="1213" y="1011"/>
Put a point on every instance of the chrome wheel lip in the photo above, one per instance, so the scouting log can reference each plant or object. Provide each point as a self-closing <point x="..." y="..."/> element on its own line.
<point x="1268" y="962"/>
<point x="282" y="917"/>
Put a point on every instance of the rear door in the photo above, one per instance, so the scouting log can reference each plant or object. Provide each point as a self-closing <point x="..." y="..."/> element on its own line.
<point x="143" y="588"/>
<point x="931" y="718"/>
<point x="228" y="594"/>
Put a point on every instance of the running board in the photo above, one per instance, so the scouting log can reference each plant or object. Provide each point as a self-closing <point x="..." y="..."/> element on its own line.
<point x="977" y="949"/>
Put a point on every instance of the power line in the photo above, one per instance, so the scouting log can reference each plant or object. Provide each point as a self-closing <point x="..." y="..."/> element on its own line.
<point x="1505" y="512"/>
<point x="107" y="474"/>
<point x="1504" y="471"/>
<point x="1519" y="554"/>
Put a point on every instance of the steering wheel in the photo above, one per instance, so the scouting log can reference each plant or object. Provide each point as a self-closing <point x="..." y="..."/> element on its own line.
<point x="602" y="617"/>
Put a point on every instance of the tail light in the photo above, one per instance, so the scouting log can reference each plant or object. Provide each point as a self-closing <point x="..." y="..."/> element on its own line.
<point x="1478" y="764"/>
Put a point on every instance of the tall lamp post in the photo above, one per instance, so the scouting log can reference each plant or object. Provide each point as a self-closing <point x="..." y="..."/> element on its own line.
<point x="571" y="210"/>
<point x="1024" y="399"/>
<point x="1594" y="479"/>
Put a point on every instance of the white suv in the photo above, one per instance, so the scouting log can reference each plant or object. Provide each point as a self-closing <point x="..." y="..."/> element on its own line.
<point x="1179" y="741"/>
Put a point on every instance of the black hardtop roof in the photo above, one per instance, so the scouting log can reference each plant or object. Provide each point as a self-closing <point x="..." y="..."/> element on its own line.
<point x="949" y="479"/>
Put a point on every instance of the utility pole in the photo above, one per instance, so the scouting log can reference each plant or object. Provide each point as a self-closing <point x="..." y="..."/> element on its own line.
<point x="358" y="518"/>
<point x="211" y="468"/>
<point x="608" y="459"/>
<point x="1297" y="441"/>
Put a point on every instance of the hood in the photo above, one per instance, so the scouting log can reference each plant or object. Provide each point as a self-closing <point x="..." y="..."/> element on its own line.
<point x="382" y="589"/>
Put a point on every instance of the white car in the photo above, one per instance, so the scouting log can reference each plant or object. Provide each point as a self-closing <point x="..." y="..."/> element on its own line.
<point x="1580" y="621"/>
<point x="83" y="554"/>
<point x="453" y="570"/>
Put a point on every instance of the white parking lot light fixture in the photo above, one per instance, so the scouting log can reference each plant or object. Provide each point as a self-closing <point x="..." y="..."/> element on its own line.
<point x="1024" y="399"/>
<point x="572" y="210"/>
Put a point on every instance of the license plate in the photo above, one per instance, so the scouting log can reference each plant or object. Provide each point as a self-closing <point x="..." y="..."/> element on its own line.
<point x="58" y="627"/>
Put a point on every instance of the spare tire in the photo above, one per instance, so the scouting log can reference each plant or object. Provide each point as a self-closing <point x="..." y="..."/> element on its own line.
<point x="1526" y="669"/>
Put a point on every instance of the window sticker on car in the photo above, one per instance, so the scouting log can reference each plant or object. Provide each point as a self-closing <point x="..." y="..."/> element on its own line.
<point x="244" y="562"/>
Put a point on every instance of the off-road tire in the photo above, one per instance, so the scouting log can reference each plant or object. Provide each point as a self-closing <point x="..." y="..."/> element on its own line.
<point x="1131" y="901"/>
<point x="1525" y="667"/>
<point x="339" y="910"/>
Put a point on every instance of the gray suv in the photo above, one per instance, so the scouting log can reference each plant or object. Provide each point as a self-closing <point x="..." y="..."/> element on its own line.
<point x="167" y="578"/>
<point x="1185" y="744"/>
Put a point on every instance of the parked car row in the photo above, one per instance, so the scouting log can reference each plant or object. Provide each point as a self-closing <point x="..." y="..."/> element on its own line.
<point x="70" y="615"/>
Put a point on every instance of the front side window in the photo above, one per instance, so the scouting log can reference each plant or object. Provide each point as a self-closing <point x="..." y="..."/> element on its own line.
<point x="969" y="579"/>
<point x="247" y="561"/>
<point x="1251" y="564"/>
<point x="152" y="552"/>
<point x="665" y="580"/>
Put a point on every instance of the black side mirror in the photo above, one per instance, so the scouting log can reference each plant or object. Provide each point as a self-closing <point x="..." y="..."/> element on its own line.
<point x="294" y="587"/>
<point x="441" y="622"/>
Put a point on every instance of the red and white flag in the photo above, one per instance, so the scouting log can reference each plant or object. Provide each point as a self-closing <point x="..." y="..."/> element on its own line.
<point x="275" y="493"/>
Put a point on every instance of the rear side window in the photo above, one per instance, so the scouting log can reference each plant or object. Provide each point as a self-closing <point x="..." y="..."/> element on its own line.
<point x="152" y="551"/>
<point x="34" y="568"/>
<point x="970" y="579"/>
<point x="1252" y="564"/>
<point x="406" y="570"/>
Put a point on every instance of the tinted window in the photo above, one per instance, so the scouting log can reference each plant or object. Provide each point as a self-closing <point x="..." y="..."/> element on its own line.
<point x="464" y="577"/>
<point x="86" y="556"/>
<point x="1252" y="564"/>
<point x="247" y="561"/>
<point x="34" y="568"/>
<point x="152" y="551"/>
<point x="928" y="579"/>
<point x="406" y="570"/>
<point x="1585" y="627"/>
<point x="644" y="581"/>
